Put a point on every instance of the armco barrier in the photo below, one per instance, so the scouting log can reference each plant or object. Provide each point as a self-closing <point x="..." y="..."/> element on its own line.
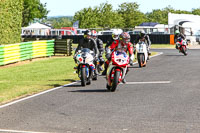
<point x="24" y="51"/>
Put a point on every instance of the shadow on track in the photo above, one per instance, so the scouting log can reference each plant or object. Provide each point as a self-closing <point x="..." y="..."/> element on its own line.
<point x="91" y="91"/>
<point x="175" y="55"/>
<point x="71" y="80"/>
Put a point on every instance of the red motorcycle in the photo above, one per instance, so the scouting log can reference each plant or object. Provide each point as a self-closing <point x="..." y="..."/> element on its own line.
<point x="182" y="45"/>
<point x="116" y="69"/>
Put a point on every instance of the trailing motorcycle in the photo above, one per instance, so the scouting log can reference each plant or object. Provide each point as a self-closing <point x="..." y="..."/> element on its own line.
<point x="85" y="66"/>
<point x="116" y="69"/>
<point x="182" y="45"/>
<point x="142" y="54"/>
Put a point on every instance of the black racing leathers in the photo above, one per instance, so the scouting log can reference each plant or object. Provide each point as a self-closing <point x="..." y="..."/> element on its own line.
<point x="88" y="43"/>
<point x="100" y="46"/>
<point x="101" y="50"/>
<point x="177" y="36"/>
<point x="145" y="38"/>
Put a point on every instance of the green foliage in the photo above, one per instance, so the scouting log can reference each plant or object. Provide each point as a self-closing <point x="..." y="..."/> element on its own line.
<point x="127" y="16"/>
<point x="99" y="17"/>
<point x="33" y="9"/>
<point x="10" y="21"/>
<point x="131" y="14"/>
<point x="196" y="11"/>
<point x="161" y="15"/>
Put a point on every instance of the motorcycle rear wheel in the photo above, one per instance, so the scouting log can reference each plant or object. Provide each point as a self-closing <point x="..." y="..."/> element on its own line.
<point x="184" y="50"/>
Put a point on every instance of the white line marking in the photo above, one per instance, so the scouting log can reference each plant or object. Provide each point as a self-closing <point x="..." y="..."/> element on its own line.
<point x="17" y="131"/>
<point x="151" y="82"/>
<point x="29" y="97"/>
<point x="156" y="55"/>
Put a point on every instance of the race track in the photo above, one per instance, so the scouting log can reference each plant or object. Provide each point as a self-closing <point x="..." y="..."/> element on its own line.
<point x="160" y="98"/>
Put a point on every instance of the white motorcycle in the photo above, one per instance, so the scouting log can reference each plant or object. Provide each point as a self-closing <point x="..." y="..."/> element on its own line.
<point x="85" y="66"/>
<point x="142" y="54"/>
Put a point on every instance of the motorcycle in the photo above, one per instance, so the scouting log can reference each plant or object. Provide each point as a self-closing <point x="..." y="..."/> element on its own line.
<point x="182" y="45"/>
<point x="117" y="69"/>
<point x="85" y="67"/>
<point x="142" y="54"/>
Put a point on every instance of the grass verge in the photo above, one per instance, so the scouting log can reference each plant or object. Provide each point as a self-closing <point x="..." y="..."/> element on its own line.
<point x="162" y="46"/>
<point x="36" y="76"/>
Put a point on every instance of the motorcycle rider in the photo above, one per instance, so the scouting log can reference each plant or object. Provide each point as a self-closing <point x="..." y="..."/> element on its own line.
<point x="177" y="35"/>
<point x="144" y="37"/>
<point x="90" y="43"/>
<point x="125" y="43"/>
<point x="115" y="39"/>
<point x="100" y="48"/>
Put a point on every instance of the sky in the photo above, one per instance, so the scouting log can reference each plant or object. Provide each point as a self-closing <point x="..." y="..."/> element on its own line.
<point x="70" y="7"/>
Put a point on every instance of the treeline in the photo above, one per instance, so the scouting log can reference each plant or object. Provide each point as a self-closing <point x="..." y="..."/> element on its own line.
<point x="60" y="21"/>
<point x="127" y="15"/>
<point x="10" y="21"/>
<point x="15" y="14"/>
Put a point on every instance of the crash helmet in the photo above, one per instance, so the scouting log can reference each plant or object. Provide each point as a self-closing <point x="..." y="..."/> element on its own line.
<point x="177" y="32"/>
<point x="87" y="34"/>
<point x="94" y="33"/>
<point x="115" y="35"/>
<point x="142" y="33"/>
<point x="125" y="37"/>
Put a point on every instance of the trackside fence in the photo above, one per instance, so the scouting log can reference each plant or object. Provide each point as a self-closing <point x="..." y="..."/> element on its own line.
<point x="24" y="51"/>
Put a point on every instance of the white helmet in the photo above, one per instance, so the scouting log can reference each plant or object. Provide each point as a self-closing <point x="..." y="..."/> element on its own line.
<point x="115" y="35"/>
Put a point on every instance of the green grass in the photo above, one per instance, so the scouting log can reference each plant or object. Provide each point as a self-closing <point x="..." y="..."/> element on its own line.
<point x="36" y="76"/>
<point x="162" y="46"/>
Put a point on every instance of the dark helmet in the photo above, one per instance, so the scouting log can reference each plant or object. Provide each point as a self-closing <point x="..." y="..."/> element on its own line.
<point x="87" y="34"/>
<point x="142" y="33"/>
<point x="125" y="37"/>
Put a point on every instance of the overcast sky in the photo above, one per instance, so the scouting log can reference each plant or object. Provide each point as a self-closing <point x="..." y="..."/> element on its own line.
<point x="69" y="7"/>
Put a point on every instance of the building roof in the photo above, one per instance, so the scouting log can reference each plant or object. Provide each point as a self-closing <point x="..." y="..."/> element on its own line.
<point x="37" y="26"/>
<point x="152" y="24"/>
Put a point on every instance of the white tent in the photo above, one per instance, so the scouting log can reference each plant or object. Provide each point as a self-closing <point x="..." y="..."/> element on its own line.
<point x="37" y="26"/>
<point x="36" y="29"/>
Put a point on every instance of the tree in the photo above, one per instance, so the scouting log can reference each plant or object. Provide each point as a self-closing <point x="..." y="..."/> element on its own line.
<point x="196" y="11"/>
<point x="108" y="18"/>
<point x="161" y="15"/>
<point x="131" y="14"/>
<point x="33" y="9"/>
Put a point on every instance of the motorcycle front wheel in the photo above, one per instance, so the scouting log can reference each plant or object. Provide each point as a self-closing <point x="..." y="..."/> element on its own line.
<point x="115" y="81"/>
<point x="184" y="50"/>
<point x="83" y="76"/>
<point x="141" y="59"/>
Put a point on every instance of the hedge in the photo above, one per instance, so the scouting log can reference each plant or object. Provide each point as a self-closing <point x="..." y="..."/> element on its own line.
<point x="10" y="21"/>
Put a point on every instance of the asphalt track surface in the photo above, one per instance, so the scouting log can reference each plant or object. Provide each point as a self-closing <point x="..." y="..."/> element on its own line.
<point x="163" y="97"/>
